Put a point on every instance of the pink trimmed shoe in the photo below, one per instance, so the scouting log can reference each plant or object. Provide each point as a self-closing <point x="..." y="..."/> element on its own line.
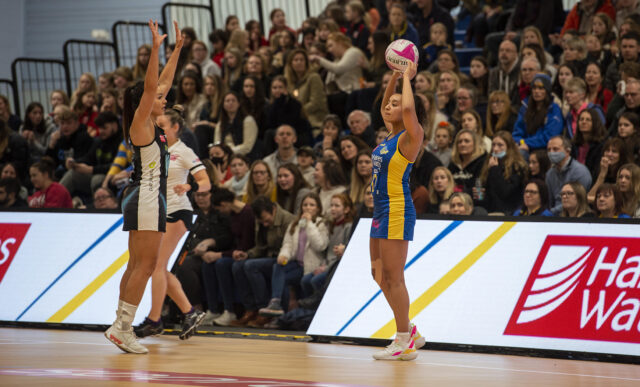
<point x="397" y="351"/>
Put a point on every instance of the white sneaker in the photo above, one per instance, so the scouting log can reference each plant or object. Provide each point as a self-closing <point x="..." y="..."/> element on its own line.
<point x="225" y="319"/>
<point x="416" y="336"/>
<point x="397" y="351"/>
<point x="125" y="340"/>
<point x="209" y="317"/>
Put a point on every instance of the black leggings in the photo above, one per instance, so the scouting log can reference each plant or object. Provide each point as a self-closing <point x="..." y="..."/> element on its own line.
<point x="190" y="276"/>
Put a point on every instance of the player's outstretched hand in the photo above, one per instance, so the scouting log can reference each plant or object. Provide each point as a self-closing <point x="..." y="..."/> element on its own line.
<point x="411" y="70"/>
<point x="179" y="40"/>
<point x="157" y="38"/>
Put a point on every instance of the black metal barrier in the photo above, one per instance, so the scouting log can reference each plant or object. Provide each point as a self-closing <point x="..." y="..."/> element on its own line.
<point x="296" y="11"/>
<point x="245" y="10"/>
<point x="87" y="56"/>
<point x="127" y="37"/>
<point x="198" y="16"/>
<point x="8" y="89"/>
<point x="35" y="79"/>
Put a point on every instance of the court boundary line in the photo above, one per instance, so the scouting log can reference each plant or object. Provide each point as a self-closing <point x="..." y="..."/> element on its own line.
<point x="493" y="368"/>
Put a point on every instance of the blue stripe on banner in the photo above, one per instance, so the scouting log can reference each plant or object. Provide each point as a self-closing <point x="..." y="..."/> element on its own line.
<point x="100" y="239"/>
<point x="452" y="226"/>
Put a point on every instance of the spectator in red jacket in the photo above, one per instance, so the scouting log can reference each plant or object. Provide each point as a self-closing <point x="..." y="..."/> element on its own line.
<point x="581" y="15"/>
<point x="279" y="23"/>
<point x="49" y="194"/>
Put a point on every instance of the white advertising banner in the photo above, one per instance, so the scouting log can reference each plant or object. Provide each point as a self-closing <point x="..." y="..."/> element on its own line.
<point x="542" y="285"/>
<point x="63" y="267"/>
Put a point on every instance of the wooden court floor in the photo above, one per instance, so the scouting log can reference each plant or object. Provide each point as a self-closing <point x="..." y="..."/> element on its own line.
<point x="51" y="358"/>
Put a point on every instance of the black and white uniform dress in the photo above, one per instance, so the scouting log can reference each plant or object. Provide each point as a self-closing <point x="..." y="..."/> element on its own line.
<point x="183" y="162"/>
<point x="144" y="205"/>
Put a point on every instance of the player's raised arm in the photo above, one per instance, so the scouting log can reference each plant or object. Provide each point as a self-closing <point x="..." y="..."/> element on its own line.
<point x="414" y="130"/>
<point x="169" y="71"/>
<point x="389" y="91"/>
<point x="138" y="126"/>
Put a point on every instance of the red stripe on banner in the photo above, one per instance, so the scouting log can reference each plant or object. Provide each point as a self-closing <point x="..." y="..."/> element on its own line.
<point x="174" y="378"/>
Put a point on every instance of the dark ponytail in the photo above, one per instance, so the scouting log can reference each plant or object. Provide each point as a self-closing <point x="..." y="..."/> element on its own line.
<point x="421" y="112"/>
<point x="132" y="96"/>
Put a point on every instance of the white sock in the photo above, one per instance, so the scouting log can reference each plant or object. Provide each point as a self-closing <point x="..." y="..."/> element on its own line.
<point x="126" y="313"/>
<point x="403" y="337"/>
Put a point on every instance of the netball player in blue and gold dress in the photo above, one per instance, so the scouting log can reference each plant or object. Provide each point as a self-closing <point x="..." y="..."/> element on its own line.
<point x="144" y="205"/>
<point x="394" y="216"/>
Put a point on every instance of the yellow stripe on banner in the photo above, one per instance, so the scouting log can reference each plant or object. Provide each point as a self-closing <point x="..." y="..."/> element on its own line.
<point x="88" y="291"/>
<point x="447" y="280"/>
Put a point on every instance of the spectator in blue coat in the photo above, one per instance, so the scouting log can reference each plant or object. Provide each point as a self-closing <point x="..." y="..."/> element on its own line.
<point x="539" y="117"/>
<point x="400" y="27"/>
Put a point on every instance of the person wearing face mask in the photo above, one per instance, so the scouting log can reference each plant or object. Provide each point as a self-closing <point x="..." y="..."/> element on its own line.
<point x="502" y="176"/>
<point x="220" y="157"/>
<point x="564" y="169"/>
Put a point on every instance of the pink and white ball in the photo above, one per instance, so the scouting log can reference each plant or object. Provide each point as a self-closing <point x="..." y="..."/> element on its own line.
<point x="399" y="53"/>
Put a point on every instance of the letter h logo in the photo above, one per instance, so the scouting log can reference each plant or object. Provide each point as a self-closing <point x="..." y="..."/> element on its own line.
<point x="582" y="287"/>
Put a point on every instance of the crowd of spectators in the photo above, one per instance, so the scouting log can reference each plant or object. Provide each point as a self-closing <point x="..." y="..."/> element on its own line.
<point x="545" y="123"/>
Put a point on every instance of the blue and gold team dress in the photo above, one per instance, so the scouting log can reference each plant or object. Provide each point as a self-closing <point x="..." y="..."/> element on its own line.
<point x="394" y="215"/>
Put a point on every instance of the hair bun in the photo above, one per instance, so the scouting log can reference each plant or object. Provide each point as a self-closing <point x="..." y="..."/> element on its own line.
<point x="178" y="109"/>
<point x="48" y="162"/>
